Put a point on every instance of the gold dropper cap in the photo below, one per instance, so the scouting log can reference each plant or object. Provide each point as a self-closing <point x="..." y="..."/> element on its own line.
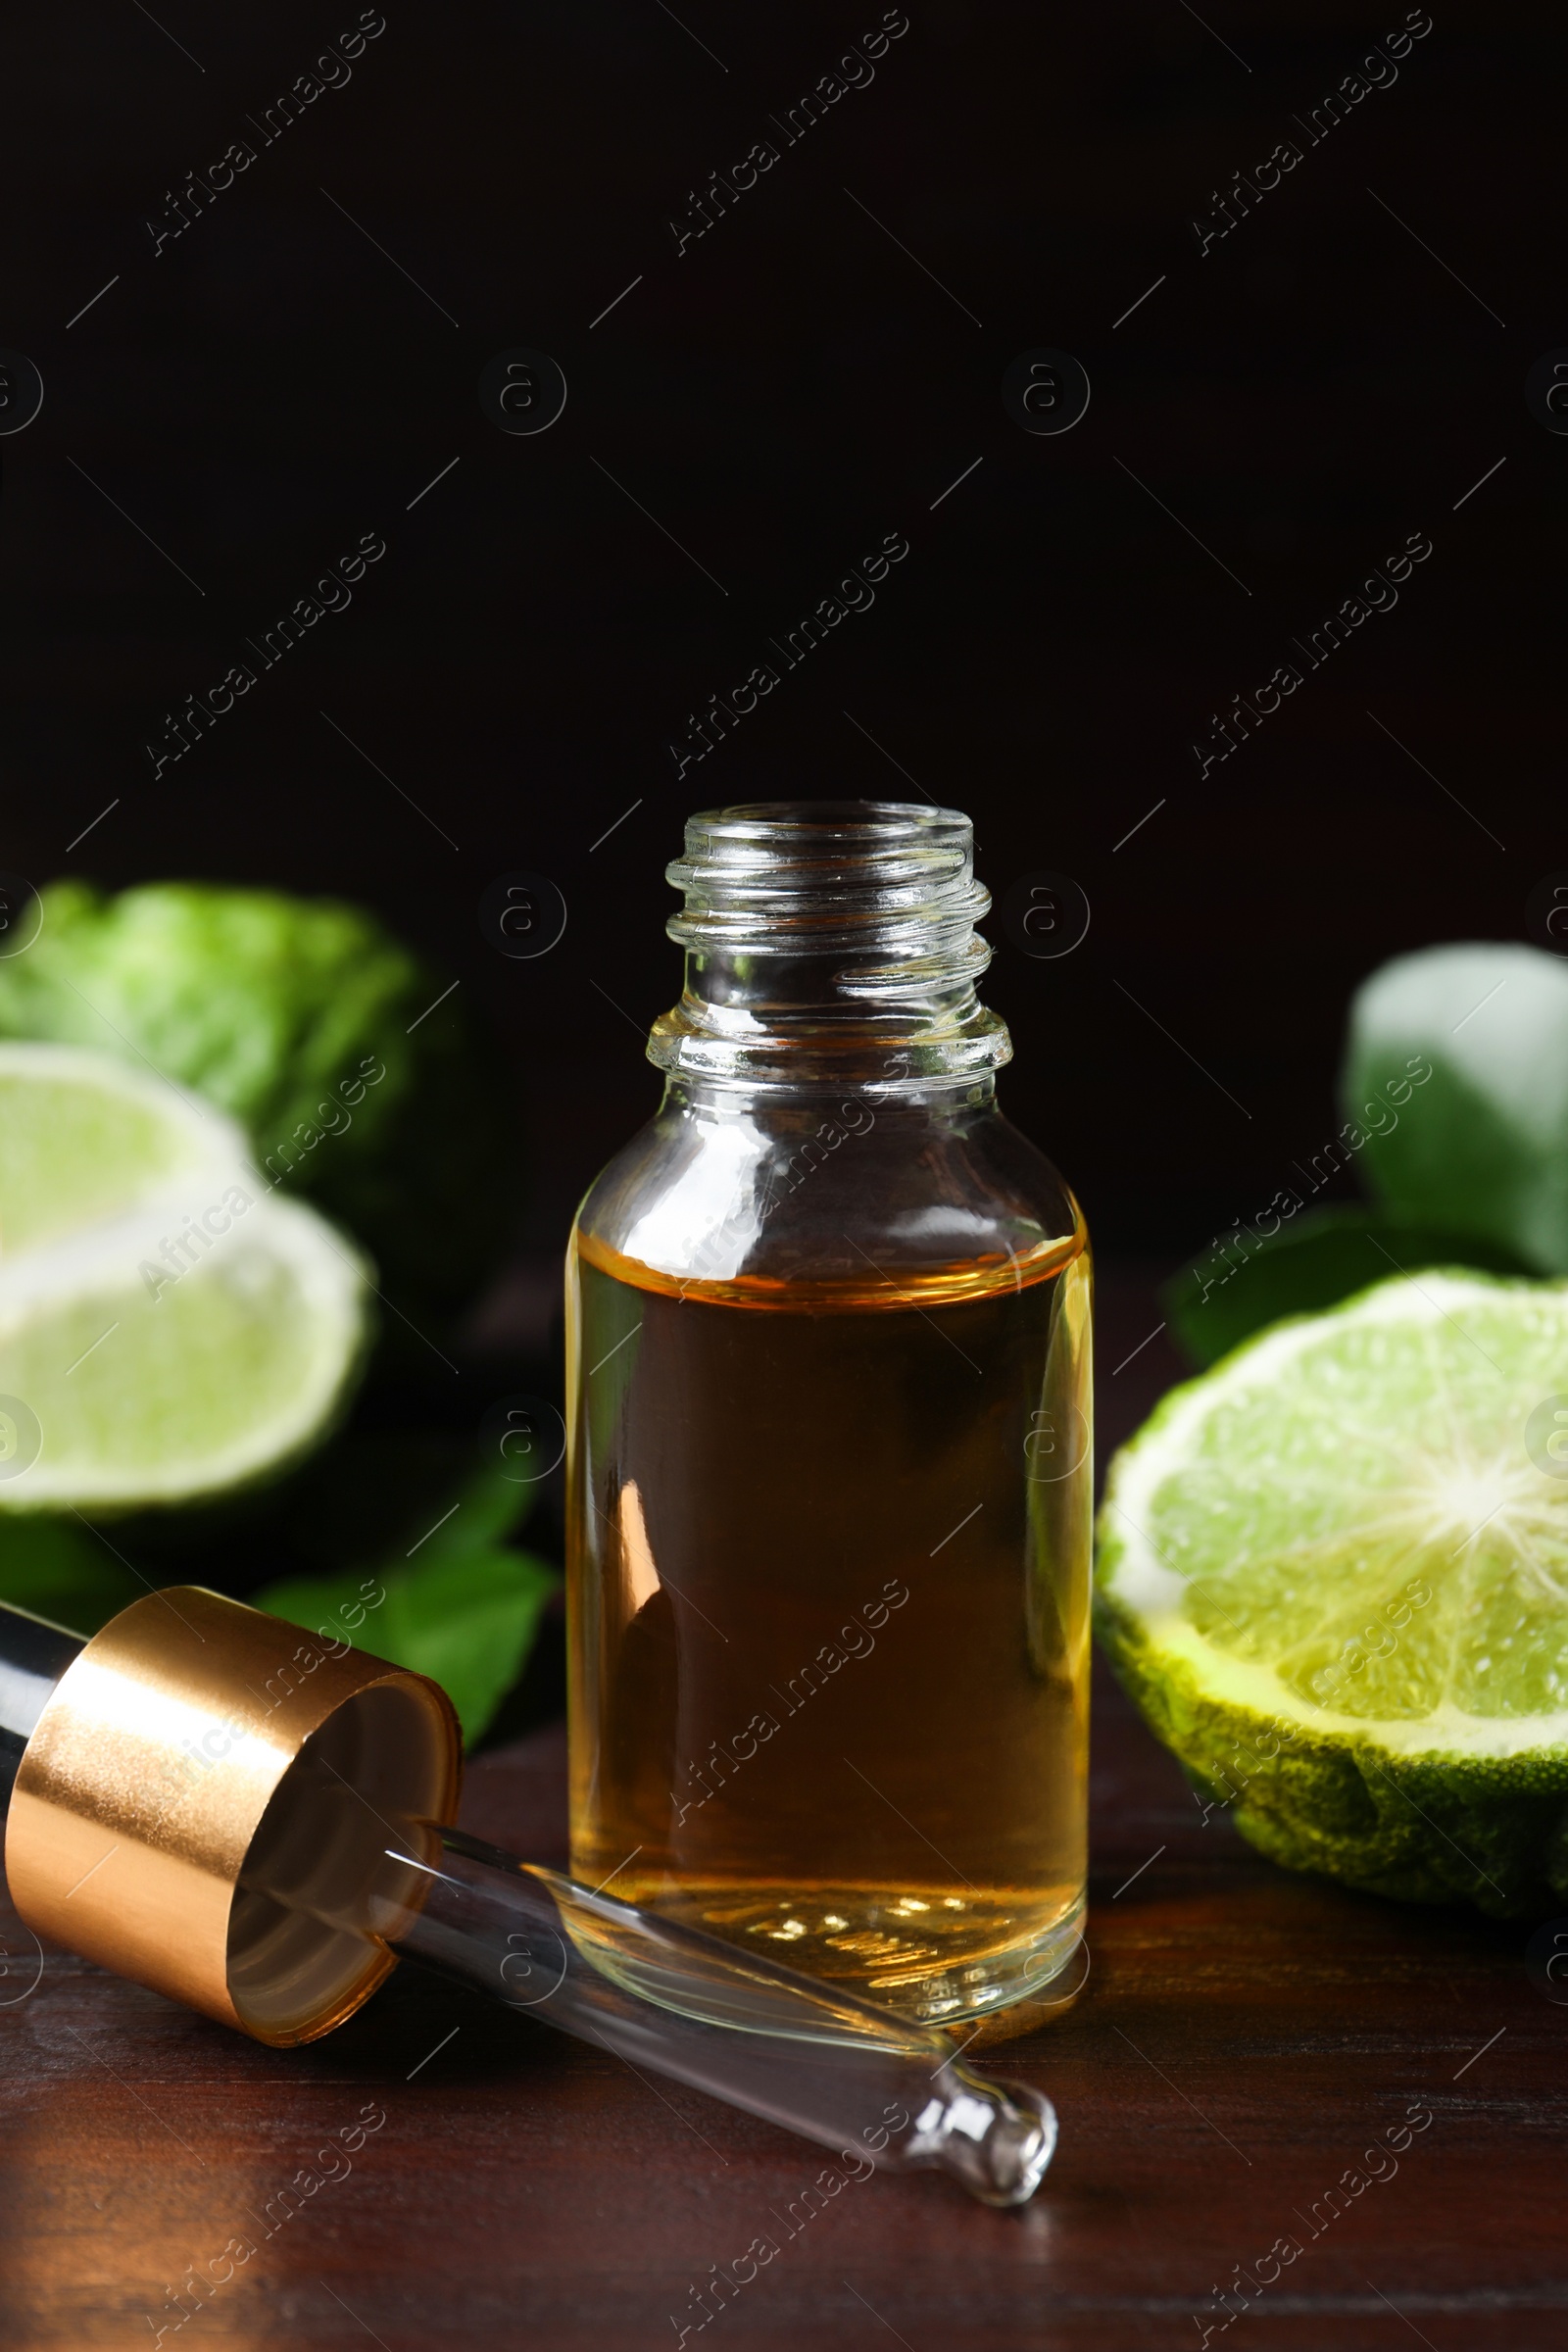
<point x="185" y="1765"/>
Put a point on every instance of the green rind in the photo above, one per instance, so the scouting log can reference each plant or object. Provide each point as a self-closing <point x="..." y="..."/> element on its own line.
<point x="1422" y="1828"/>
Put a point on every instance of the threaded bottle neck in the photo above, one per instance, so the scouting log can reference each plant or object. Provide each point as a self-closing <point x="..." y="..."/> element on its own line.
<point x="830" y="943"/>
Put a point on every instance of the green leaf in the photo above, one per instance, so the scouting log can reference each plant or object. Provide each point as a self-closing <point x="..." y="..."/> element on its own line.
<point x="336" y="1608"/>
<point x="372" y="1494"/>
<point x="1312" y="1262"/>
<point x="454" y="1605"/>
<point x="59" y="1570"/>
<point x="490" y="1505"/>
<point x="469" y="1622"/>
<point x="1479" y="1145"/>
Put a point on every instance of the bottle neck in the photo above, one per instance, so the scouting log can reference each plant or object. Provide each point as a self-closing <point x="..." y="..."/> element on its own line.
<point x="830" y="946"/>
<point x="778" y="1107"/>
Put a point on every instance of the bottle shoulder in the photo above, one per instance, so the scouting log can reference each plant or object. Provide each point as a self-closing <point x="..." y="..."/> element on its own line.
<point x="859" y="1200"/>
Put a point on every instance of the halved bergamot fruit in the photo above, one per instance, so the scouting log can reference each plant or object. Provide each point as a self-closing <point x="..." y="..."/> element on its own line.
<point x="168" y="1328"/>
<point x="1334" y="1577"/>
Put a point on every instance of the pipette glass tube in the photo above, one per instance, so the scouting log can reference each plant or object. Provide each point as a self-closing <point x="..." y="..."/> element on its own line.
<point x="672" y="2000"/>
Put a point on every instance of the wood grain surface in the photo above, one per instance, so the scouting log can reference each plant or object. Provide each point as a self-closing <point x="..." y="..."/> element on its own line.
<point x="1243" y="2040"/>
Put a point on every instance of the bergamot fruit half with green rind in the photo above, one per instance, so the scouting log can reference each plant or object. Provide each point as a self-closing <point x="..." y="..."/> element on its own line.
<point x="1332" y="1576"/>
<point x="170" y="1329"/>
<point x="345" y="1056"/>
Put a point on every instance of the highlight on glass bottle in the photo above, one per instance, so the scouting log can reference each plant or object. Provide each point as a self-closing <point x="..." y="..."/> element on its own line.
<point x="829" y="1468"/>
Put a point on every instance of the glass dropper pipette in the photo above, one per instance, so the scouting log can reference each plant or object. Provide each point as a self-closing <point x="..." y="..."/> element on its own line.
<point x="667" y="1998"/>
<point x="267" y="1858"/>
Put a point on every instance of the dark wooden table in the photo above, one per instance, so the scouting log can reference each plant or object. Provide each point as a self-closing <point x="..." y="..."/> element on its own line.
<point x="1243" y="2041"/>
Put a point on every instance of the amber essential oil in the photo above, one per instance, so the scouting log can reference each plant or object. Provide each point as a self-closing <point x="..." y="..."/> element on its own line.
<point x="829" y="1650"/>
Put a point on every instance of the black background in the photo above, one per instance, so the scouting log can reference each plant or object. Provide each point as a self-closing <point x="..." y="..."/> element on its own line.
<point x="1304" y="395"/>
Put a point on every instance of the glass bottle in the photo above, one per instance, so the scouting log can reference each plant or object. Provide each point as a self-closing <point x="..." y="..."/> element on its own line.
<point x="829" y="1470"/>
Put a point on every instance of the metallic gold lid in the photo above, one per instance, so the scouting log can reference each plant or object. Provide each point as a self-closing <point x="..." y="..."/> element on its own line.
<point x="207" y="1802"/>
